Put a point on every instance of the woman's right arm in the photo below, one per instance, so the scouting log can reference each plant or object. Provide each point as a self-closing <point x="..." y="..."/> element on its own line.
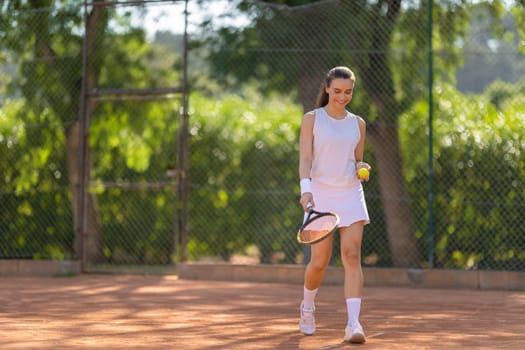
<point x="306" y="143"/>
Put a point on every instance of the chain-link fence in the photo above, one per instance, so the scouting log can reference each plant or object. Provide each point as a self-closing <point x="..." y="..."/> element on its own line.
<point x="447" y="184"/>
<point x="89" y="95"/>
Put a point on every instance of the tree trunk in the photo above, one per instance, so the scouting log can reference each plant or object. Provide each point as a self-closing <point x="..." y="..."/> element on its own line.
<point x="309" y="83"/>
<point x="382" y="134"/>
<point x="398" y="216"/>
<point x="88" y="238"/>
<point x="96" y="23"/>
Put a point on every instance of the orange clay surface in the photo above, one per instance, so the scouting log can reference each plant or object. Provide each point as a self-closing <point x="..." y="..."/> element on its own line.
<point x="163" y="312"/>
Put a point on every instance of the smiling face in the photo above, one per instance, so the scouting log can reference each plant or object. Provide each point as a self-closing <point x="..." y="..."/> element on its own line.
<point x="340" y="93"/>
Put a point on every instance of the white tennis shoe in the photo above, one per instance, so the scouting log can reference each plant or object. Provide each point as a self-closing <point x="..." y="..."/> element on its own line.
<point x="355" y="334"/>
<point x="307" y="321"/>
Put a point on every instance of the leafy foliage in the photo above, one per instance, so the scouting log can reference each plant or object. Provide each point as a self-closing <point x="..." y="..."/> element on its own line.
<point x="471" y="138"/>
<point x="241" y="174"/>
<point x="244" y="143"/>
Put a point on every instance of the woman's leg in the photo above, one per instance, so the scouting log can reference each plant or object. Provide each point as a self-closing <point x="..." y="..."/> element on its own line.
<point x="321" y="253"/>
<point x="320" y="257"/>
<point x="351" y="238"/>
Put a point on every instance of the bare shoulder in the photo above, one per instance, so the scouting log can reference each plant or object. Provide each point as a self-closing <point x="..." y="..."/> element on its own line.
<point x="362" y="126"/>
<point x="309" y="115"/>
<point x="361" y="121"/>
<point x="309" y="118"/>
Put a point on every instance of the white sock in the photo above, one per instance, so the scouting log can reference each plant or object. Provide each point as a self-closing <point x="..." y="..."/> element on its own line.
<point x="353" y="307"/>
<point x="309" y="298"/>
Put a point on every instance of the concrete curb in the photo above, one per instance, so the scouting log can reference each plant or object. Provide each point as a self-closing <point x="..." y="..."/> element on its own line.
<point x="374" y="277"/>
<point x="22" y="268"/>
<point x="391" y="277"/>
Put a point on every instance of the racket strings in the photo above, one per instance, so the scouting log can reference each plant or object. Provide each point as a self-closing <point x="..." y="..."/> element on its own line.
<point x="318" y="228"/>
<point x="313" y="235"/>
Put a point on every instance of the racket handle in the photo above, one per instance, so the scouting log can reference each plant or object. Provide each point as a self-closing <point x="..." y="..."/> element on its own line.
<point x="309" y="207"/>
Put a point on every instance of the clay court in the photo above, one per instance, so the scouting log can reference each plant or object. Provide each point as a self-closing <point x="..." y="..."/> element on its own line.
<point x="165" y="312"/>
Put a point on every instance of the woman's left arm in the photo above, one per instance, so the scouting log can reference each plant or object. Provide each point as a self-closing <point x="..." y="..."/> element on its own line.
<point x="360" y="148"/>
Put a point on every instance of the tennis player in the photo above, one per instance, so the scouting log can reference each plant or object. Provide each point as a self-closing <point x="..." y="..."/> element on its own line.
<point x="330" y="154"/>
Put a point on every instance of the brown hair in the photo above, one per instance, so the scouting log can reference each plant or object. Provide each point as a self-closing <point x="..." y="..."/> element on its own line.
<point x="340" y="72"/>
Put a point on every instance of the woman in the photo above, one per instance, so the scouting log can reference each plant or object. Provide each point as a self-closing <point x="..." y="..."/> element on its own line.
<point x="331" y="153"/>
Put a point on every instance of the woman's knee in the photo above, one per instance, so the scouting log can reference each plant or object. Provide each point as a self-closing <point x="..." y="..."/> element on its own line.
<point x="351" y="245"/>
<point x="351" y="256"/>
<point x="319" y="263"/>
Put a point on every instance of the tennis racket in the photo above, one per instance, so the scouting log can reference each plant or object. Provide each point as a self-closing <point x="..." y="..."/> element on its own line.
<point x="317" y="226"/>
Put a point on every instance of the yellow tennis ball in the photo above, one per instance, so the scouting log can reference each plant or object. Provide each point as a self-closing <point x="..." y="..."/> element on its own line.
<point x="363" y="173"/>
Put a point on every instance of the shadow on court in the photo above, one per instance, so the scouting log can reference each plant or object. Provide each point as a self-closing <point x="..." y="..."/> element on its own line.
<point x="163" y="312"/>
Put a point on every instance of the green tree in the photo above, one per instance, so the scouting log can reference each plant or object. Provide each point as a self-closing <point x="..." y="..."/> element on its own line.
<point x="47" y="36"/>
<point x="241" y="175"/>
<point x="478" y="164"/>
<point x="48" y="76"/>
<point x="34" y="185"/>
<point x="490" y="53"/>
<point x="290" y="44"/>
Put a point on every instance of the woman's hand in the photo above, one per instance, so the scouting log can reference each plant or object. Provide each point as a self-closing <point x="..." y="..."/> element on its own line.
<point x="363" y="165"/>
<point x="307" y="198"/>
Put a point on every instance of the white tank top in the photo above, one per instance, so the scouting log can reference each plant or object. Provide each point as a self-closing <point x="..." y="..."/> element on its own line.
<point x="335" y="140"/>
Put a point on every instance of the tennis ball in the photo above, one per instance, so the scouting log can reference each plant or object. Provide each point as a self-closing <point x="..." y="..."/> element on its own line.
<point x="363" y="173"/>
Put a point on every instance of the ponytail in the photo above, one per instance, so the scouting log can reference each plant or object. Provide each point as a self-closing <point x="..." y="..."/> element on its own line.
<point x="322" y="97"/>
<point x="340" y="72"/>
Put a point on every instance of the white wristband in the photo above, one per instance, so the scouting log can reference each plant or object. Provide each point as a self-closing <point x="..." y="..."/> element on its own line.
<point x="305" y="185"/>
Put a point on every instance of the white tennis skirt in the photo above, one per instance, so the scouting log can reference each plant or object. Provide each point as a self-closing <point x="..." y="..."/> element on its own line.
<point x="348" y="203"/>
